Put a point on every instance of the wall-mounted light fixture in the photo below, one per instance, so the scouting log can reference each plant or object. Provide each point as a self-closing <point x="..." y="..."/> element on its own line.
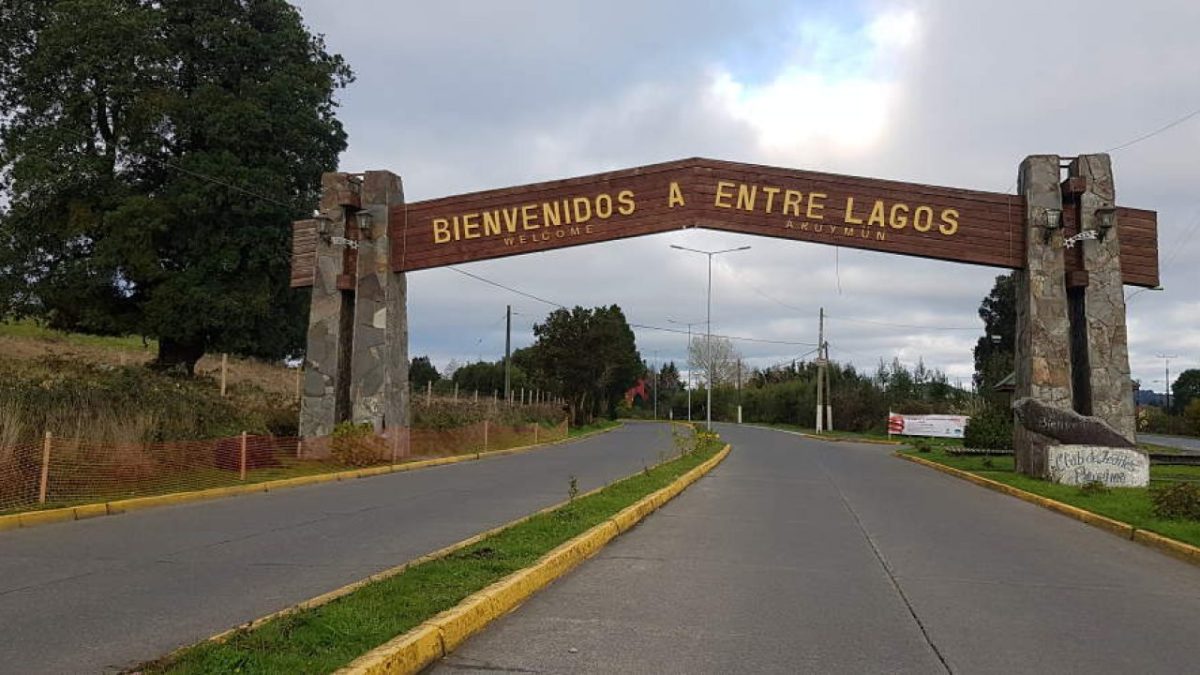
<point x="1051" y="220"/>
<point x="364" y="223"/>
<point x="324" y="224"/>
<point x="1106" y="219"/>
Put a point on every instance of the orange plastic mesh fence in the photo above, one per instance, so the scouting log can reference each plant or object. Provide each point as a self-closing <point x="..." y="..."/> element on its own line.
<point x="61" y="472"/>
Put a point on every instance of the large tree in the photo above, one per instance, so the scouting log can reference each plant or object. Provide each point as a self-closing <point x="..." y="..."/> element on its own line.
<point x="1185" y="389"/>
<point x="994" y="351"/>
<point x="153" y="155"/>
<point x="589" y="356"/>
<point x="715" y="359"/>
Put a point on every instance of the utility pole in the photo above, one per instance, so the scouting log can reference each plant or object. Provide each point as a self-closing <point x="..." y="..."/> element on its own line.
<point x="655" y="370"/>
<point x="820" y="416"/>
<point x="1167" y="382"/>
<point x="507" y="351"/>
<point x="739" y="390"/>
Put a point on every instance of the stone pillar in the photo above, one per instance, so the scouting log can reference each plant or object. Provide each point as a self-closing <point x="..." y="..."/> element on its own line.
<point x="379" y="370"/>
<point x="1043" y="353"/>
<point x="1103" y="295"/>
<point x="324" y="399"/>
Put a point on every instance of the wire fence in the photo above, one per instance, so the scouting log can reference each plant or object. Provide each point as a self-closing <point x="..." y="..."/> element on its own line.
<point x="63" y="472"/>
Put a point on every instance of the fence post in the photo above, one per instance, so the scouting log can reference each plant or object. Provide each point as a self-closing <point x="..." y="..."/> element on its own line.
<point x="242" y="463"/>
<point x="299" y="375"/>
<point x="477" y="396"/>
<point x="299" y="448"/>
<point x="224" y="367"/>
<point x="429" y="392"/>
<point x="535" y="433"/>
<point x="45" y="482"/>
<point x="485" y="435"/>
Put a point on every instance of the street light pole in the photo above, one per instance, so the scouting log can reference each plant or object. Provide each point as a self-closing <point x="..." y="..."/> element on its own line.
<point x="712" y="357"/>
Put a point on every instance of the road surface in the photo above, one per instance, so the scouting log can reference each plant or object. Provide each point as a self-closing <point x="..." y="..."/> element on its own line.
<point x="105" y="593"/>
<point x="1189" y="445"/>
<point x="797" y="555"/>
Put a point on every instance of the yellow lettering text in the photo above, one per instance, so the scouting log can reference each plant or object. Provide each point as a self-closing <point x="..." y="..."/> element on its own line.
<point x="791" y="202"/>
<point x="723" y="193"/>
<point x="471" y="226"/>
<point x="674" y="197"/>
<point x="603" y="206"/>
<point x="550" y="214"/>
<point x="850" y="217"/>
<point x="949" y="222"/>
<point x="625" y="204"/>
<point x="745" y="196"/>
<point x="816" y="204"/>
<point x="441" y="230"/>
<point x="770" y="192"/>
<point x="898" y="216"/>
<point x="922" y="219"/>
<point x="876" y="217"/>
<point x="582" y="206"/>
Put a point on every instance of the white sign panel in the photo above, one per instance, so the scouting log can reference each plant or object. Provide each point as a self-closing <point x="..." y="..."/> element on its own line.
<point x="941" y="426"/>
<point x="1082" y="464"/>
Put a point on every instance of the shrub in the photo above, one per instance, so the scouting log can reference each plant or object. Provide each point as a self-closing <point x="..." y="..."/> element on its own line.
<point x="355" y="444"/>
<point x="989" y="429"/>
<point x="1176" y="501"/>
<point x="1093" y="488"/>
<point x="921" y="445"/>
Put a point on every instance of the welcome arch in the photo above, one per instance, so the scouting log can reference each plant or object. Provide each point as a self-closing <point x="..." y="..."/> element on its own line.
<point x="1073" y="246"/>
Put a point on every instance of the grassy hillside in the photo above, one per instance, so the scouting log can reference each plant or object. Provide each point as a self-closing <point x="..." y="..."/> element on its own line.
<point x="97" y="388"/>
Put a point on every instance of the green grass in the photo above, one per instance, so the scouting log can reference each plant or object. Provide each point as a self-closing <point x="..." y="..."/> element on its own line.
<point x="31" y="330"/>
<point x="325" y="638"/>
<point x="1128" y="505"/>
<point x="598" y="425"/>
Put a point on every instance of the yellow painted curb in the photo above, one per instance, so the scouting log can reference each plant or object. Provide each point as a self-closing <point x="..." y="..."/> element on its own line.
<point x="413" y="651"/>
<point x="1179" y="549"/>
<point x="1185" y="552"/>
<point x="14" y="521"/>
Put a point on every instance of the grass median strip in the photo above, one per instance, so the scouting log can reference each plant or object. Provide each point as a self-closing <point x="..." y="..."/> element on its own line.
<point x="325" y="638"/>
<point x="1128" y="505"/>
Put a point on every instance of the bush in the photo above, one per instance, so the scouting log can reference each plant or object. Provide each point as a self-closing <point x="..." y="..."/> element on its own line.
<point x="989" y="429"/>
<point x="1176" y="501"/>
<point x="355" y="444"/>
<point x="921" y="445"/>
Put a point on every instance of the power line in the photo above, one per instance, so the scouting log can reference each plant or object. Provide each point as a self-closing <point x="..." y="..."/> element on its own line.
<point x="735" y="338"/>
<point x="507" y="288"/>
<point x="1156" y="132"/>
<point x="531" y="296"/>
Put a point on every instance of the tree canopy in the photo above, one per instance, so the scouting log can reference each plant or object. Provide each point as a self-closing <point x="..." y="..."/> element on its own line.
<point x="994" y="351"/>
<point x="588" y="356"/>
<point x="152" y="156"/>
<point x="1185" y="389"/>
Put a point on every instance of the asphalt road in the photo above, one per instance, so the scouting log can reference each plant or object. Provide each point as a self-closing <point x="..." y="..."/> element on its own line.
<point x="92" y="595"/>
<point x="1191" y="445"/>
<point x="803" y="556"/>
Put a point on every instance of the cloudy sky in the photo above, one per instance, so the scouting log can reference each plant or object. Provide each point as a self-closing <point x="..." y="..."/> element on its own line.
<point x="458" y="96"/>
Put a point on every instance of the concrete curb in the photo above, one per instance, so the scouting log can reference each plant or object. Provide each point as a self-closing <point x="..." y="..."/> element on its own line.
<point x="440" y="635"/>
<point x="34" y="518"/>
<point x="1173" y="547"/>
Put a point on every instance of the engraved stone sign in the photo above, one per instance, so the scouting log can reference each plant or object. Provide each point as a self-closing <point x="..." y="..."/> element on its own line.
<point x="1114" y="467"/>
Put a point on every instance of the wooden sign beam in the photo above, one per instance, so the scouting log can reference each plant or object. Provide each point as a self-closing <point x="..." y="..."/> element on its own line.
<point x="970" y="226"/>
